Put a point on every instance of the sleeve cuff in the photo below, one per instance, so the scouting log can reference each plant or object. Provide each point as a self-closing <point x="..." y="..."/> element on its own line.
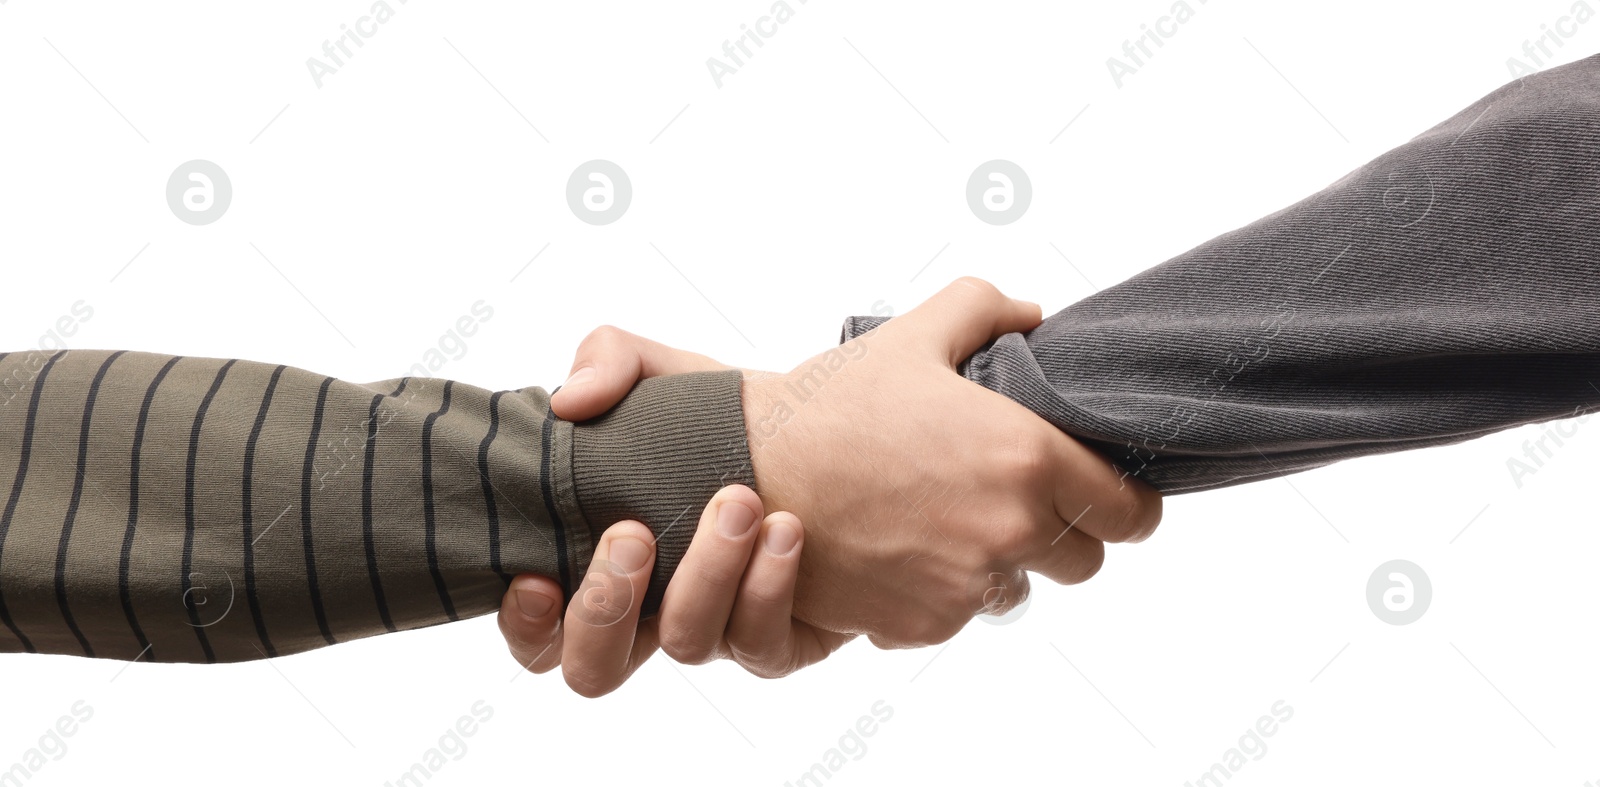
<point x="658" y="457"/>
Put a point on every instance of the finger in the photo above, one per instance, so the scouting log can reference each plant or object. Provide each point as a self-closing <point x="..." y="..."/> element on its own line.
<point x="645" y="641"/>
<point x="530" y="620"/>
<point x="603" y="615"/>
<point x="761" y="628"/>
<point x="966" y="315"/>
<point x="695" y="608"/>
<point x="1094" y="495"/>
<point x="762" y="633"/>
<point x="1069" y="557"/>
<point x="608" y="362"/>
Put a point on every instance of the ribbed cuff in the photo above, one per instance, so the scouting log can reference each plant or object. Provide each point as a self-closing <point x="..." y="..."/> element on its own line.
<point x="658" y="457"/>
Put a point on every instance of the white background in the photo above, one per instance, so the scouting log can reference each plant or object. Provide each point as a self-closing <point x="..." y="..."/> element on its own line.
<point x="818" y="181"/>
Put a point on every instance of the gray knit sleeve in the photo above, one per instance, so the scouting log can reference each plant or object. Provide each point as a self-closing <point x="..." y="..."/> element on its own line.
<point x="1447" y="289"/>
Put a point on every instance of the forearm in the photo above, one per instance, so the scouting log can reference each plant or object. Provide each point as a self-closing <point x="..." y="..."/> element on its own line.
<point x="1448" y="289"/>
<point x="195" y="509"/>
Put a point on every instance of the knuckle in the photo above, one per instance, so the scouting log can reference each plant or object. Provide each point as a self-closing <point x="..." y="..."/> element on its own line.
<point x="605" y="597"/>
<point x="1148" y="514"/>
<point x="1006" y="538"/>
<point x="603" y="337"/>
<point x="1015" y="534"/>
<point x="1089" y="563"/>
<point x="980" y="287"/>
<point x="765" y="656"/>
<point x="765" y="596"/>
<point x="1140" y="515"/>
<point x="538" y="660"/>
<point x="598" y="610"/>
<point x="523" y="647"/>
<point x="717" y="577"/>
<point x="605" y="333"/>
<point x="1028" y="458"/>
<point x="687" y="646"/>
<point x="757" y="658"/>
<point x="522" y="636"/>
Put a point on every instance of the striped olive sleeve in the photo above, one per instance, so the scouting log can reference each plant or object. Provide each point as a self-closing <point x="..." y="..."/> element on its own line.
<point x="181" y="509"/>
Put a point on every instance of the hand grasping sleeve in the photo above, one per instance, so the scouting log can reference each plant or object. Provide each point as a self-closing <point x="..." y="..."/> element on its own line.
<point x="1445" y="290"/>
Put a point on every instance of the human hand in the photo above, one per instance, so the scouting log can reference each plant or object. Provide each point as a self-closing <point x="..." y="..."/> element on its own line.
<point x="926" y="494"/>
<point x="731" y="597"/>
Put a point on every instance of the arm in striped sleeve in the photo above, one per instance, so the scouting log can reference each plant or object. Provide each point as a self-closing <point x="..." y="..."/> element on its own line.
<point x="181" y="509"/>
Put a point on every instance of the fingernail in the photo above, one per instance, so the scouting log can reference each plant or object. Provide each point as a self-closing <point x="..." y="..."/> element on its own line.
<point x="734" y="519"/>
<point x="781" y="538"/>
<point x="534" y="604"/>
<point x="629" y="553"/>
<point x="579" y="377"/>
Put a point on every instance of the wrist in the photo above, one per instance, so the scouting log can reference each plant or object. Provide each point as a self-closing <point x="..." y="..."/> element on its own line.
<point x="657" y="457"/>
<point x="769" y="421"/>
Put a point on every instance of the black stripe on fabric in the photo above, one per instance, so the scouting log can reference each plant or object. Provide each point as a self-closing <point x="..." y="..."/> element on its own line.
<point x="550" y="502"/>
<point x="366" y="512"/>
<point x="400" y="387"/>
<point x="188" y="512"/>
<point x="133" y="507"/>
<point x="16" y="488"/>
<point x="305" y="513"/>
<point x="489" y="506"/>
<point x="77" y="496"/>
<point x="249" y="514"/>
<point x="427" y="503"/>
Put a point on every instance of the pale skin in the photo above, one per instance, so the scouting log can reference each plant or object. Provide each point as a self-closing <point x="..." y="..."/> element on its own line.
<point x="925" y="497"/>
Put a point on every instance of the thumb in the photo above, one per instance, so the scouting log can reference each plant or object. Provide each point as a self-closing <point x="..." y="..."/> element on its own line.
<point x="964" y="316"/>
<point x="608" y="363"/>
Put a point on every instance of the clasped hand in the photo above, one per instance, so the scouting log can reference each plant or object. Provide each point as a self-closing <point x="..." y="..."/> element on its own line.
<point x="904" y="500"/>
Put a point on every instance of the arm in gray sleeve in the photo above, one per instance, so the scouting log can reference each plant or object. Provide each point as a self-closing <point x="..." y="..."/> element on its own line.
<point x="1447" y="289"/>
